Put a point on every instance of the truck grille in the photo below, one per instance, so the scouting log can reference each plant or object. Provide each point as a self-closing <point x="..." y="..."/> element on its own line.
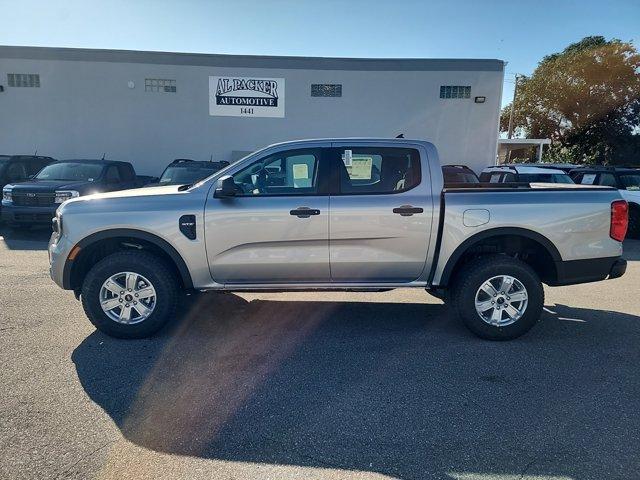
<point x="33" y="199"/>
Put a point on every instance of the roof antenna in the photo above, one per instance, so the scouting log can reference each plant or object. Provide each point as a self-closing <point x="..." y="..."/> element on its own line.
<point x="211" y="157"/>
<point x="103" y="156"/>
<point x="35" y="154"/>
<point x="401" y="135"/>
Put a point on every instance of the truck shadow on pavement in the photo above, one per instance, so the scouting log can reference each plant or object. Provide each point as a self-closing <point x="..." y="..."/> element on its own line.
<point x="36" y="238"/>
<point x="392" y="388"/>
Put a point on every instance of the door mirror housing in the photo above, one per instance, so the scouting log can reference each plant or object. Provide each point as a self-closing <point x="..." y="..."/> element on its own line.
<point x="225" y="188"/>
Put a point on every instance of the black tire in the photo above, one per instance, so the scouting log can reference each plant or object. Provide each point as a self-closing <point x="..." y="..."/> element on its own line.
<point x="634" y="222"/>
<point x="143" y="263"/>
<point x="474" y="274"/>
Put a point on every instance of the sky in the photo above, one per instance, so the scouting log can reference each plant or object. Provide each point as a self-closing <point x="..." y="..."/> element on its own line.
<point x="519" y="32"/>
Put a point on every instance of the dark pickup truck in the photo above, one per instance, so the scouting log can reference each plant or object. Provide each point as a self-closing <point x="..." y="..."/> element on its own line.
<point x="35" y="201"/>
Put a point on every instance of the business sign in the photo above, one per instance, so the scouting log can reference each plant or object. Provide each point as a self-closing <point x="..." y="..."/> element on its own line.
<point x="246" y="97"/>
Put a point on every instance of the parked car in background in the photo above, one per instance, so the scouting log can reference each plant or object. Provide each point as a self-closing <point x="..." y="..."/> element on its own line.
<point x="337" y="214"/>
<point x="35" y="200"/>
<point x="183" y="171"/>
<point x="18" y="168"/>
<point x="458" y="174"/>
<point x="625" y="179"/>
<point x="565" y="167"/>
<point x="523" y="174"/>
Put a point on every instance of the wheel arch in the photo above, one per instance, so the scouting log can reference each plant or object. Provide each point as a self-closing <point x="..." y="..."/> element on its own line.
<point x="105" y="242"/>
<point x="503" y="237"/>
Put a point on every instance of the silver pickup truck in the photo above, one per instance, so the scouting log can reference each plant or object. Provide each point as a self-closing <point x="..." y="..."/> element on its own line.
<point x="338" y="214"/>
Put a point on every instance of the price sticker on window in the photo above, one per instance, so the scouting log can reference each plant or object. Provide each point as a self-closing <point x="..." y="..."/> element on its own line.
<point x="300" y="171"/>
<point x="347" y="158"/>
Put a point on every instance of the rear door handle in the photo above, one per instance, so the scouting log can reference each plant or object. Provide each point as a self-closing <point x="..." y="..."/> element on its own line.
<point x="304" y="212"/>
<point x="407" y="210"/>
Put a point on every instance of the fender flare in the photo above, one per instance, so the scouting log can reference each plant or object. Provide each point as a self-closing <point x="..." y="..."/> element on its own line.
<point x="162" y="244"/>
<point x="547" y="244"/>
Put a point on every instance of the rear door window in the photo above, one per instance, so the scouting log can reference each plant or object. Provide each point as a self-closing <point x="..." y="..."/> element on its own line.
<point x="126" y="173"/>
<point x="586" y="179"/>
<point x="376" y="170"/>
<point x="112" y="175"/>
<point x="16" y="172"/>
<point x="607" y="180"/>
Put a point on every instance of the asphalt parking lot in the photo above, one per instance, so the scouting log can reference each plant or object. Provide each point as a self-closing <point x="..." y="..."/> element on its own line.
<point x="310" y="386"/>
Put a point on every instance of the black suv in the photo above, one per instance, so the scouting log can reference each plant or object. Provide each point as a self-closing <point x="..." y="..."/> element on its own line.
<point x="185" y="171"/>
<point x="625" y="179"/>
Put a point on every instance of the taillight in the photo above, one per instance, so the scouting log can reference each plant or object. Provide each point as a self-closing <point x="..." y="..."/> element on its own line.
<point x="619" y="220"/>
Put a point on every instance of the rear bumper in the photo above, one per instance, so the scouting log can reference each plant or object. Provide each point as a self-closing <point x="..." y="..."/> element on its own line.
<point x="28" y="215"/>
<point x="589" y="270"/>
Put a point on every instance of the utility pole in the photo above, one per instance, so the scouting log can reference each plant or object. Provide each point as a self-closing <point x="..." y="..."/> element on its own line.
<point x="513" y="104"/>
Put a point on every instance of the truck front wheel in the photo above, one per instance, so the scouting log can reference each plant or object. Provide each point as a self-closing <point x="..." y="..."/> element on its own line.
<point x="130" y="294"/>
<point x="498" y="297"/>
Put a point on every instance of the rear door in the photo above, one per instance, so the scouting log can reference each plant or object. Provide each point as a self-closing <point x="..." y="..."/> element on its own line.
<point x="381" y="213"/>
<point x="276" y="228"/>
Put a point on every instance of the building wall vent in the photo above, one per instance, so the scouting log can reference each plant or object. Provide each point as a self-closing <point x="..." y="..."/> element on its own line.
<point x="23" y="80"/>
<point x="326" y="90"/>
<point x="161" y="85"/>
<point x="455" y="91"/>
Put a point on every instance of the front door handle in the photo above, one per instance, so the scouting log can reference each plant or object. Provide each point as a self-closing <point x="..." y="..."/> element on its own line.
<point x="407" y="210"/>
<point x="304" y="212"/>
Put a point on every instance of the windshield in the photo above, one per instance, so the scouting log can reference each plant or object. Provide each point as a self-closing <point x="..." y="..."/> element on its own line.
<point x="181" y="175"/>
<point x="72" y="171"/>
<point x="545" y="178"/>
<point x="631" y="181"/>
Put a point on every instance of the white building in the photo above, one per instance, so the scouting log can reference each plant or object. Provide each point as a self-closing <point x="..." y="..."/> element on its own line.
<point x="152" y="107"/>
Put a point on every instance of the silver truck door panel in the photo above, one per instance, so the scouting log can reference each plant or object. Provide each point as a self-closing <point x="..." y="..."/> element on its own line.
<point x="258" y="240"/>
<point x="276" y="228"/>
<point x="371" y="243"/>
<point x="380" y="237"/>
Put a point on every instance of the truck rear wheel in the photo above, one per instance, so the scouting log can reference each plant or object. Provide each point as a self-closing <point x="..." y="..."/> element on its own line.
<point x="130" y="294"/>
<point x="498" y="297"/>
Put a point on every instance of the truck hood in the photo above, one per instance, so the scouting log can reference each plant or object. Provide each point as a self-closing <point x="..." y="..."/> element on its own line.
<point x="50" y="186"/>
<point x="136" y="192"/>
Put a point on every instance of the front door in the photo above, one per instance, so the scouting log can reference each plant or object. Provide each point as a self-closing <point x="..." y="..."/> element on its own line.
<point x="276" y="228"/>
<point x="381" y="214"/>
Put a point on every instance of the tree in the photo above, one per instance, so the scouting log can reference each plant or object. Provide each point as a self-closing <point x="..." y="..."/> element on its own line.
<point x="585" y="98"/>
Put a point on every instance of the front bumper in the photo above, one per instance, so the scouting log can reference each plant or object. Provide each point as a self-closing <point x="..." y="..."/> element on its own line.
<point x="59" y="249"/>
<point x="28" y="215"/>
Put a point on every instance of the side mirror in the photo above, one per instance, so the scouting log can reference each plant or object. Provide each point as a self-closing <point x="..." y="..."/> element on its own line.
<point x="226" y="187"/>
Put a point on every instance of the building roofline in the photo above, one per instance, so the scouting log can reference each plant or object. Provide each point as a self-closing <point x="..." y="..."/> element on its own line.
<point x="250" y="61"/>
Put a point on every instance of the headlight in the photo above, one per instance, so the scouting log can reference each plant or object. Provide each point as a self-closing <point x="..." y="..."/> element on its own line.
<point x="6" y="193"/>
<point x="56" y="224"/>
<point x="64" y="195"/>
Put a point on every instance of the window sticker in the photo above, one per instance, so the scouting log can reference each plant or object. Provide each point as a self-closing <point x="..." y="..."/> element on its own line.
<point x="347" y="158"/>
<point x="300" y="171"/>
<point x="360" y="168"/>
<point x="588" y="179"/>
